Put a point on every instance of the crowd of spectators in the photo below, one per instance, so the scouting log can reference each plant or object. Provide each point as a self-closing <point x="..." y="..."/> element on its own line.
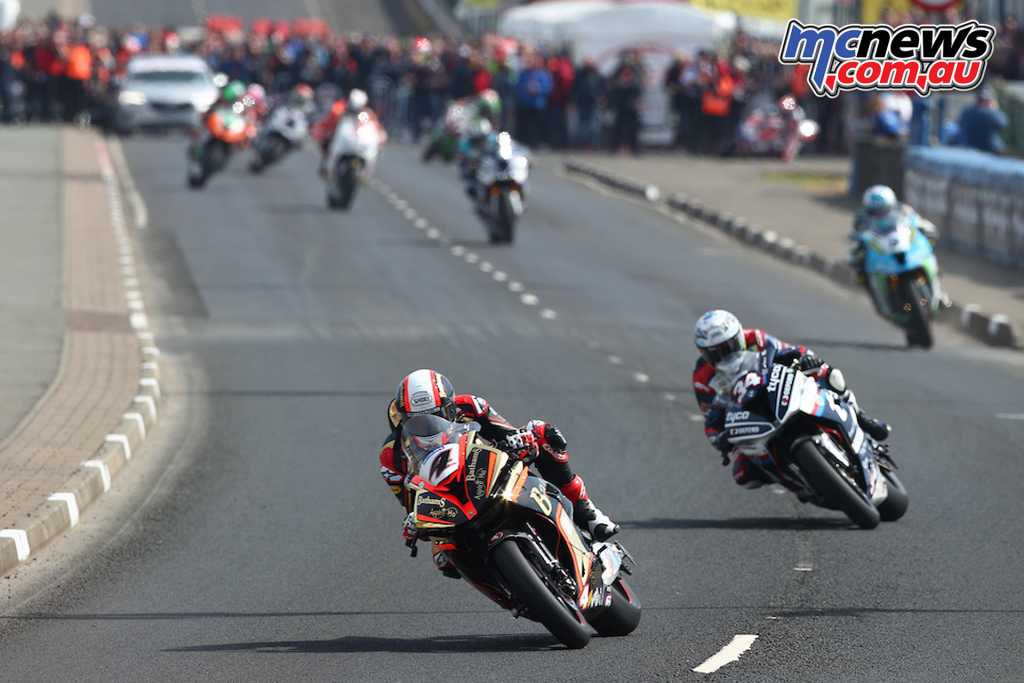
<point x="59" y="69"/>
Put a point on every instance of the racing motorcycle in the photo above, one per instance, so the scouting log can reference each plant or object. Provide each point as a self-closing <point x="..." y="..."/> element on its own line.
<point x="353" y="152"/>
<point x="500" y="188"/>
<point x="779" y="129"/>
<point x="285" y="130"/>
<point x="803" y="434"/>
<point x="511" y="535"/>
<point x="902" y="276"/>
<point x="445" y="137"/>
<point x="224" y="129"/>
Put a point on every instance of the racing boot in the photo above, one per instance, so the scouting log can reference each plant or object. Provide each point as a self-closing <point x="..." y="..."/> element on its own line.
<point x="876" y="429"/>
<point x="586" y="514"/>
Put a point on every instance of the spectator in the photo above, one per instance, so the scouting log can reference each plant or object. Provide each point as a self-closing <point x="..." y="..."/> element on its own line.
<point x="982" y="123"/>
<point x="532" y="92"/>
<point x="562" y="76"/>
<point x="624" y="100"/>
<point x="588" y="92"/>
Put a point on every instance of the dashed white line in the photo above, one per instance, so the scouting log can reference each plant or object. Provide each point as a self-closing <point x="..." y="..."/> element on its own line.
<point x="433" y="233"/>
<point x="696" y="417"/>
<point x="728" y="654"/>
<point x="458" y="250"/>
<point x="515" y="286"/>
<point x="420" y="224"/>
<point x="499" y="276"/>
<point x="471" y="257"/>
<point x="410" y="214"/>
<point x="615" y="360"/>
<point x="804" y="567"/>
<point x="548" y="314"/>
<point x="529" y="299"/>
<point x="669" y="396"/>
<point x="642" y="377"/>
<point x="486" y="266"/>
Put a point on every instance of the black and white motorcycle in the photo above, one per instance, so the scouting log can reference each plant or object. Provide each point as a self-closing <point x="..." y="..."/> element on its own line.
<point x="803" y="434"/>
<point x="500" y="190"/>
<point x="285" y="129"/>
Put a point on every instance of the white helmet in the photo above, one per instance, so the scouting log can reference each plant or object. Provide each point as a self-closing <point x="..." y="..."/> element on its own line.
<point x="357" y="100"/>
<point x="879" y="201"/>
<point x="425" y="392"/>
<point x="718" y="334"/>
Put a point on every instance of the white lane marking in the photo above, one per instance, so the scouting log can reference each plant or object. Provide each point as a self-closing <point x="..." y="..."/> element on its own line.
<point x="150" y="367"/>
<point x="433" y="233"/>
<point x="615" y="360"/>
<point x="515" y="287"/>
<point x="1010" y="416"/>
<point x="641" y="377"/>
<point x="20" y="539"/>
<point x="421" y="223"/>
<point x="410" y="214"/>
<point x="150" y="351"/>
<point x="123" y="440"/>
<point x="696" y="417"/>
<point x="457" y="250"/>
<point x="499" y="276"/>
<point x="727" y="655"/>
<point x="471" y="257"/>
<point x="141" y="421"/>
<point x="529" y="299"/>
<point x="138" y="321"/>
<point x="139" y="209"/>
<point x="668" y="396"/>
<point x="773" y="618"/>
<point x="68" y="499"/>
<point x="548" y="314"/>
<point x="486" y="266"/>
<point x="104" y="472"/>
<point x="804" y="567"/>
<point x="149" y="403"/>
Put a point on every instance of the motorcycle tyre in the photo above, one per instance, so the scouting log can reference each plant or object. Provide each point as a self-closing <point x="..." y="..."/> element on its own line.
<point x="895" y="504"/>
<point x="542" y="605"/>
<point x="504" y="228"/>
<point x="919" y="331"/>
<point x="623" y="616"/>
<point x="831" y="486"/>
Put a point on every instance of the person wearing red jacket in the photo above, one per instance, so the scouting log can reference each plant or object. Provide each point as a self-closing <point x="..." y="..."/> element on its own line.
<point x="426" y="392"/>
<point x="720" y="338"/>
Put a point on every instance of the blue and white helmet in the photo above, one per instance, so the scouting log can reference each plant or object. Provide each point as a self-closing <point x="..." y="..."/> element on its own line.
<point x="718" y="334"/>
<point x="879" y="201"/>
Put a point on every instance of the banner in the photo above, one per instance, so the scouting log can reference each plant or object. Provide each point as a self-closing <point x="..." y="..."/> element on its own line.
<point x="778" y="10"/>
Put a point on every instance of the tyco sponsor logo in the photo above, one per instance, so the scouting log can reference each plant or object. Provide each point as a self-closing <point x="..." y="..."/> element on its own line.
<point x="881" y="57"/>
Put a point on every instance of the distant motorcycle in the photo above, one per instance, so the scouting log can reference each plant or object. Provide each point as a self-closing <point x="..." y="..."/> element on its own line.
<point x="500" y="188"/>
<point x="902" y="276"/>
<point x="512" y="536"/>
<point x="445" y="137"/>
<point x="224" y="129"/>
<point x="353" y="153"/>
<point x="779" y="130"/>
<point x="285" y="130"/>
<point x="804" y="435"/>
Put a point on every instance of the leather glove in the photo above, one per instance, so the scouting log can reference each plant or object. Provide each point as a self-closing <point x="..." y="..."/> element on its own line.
<point x="521" y="444"/>
<point x="549" y="437"/>
<point x="409" y="532"/>
<point x="810" y="363"/>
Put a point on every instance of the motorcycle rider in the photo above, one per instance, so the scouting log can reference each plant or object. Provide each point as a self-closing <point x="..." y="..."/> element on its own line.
<point x="721" y="338"/>
<point x="324" y="129"/>
<point x="427" y="392"/>
<point x="881" y="209"/>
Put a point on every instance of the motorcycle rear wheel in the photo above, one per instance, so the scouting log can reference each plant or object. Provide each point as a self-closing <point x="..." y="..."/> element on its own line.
<point x="541" y="603"/>
<point x="831" y="485"/>
<point x="623" y="616"/>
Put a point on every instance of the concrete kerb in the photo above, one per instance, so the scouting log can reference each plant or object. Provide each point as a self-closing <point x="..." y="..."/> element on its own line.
<point x="994" y="329"/>
<point x="93" y="477"/>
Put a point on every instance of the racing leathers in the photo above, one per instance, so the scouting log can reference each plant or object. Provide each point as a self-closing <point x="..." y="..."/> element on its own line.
<point x="537" y="437"/>
<point x="862" y="223"/>
<point x="712" y="388"/>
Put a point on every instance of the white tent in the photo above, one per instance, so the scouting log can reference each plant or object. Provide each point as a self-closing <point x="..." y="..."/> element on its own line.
<point x="601" y="29"/>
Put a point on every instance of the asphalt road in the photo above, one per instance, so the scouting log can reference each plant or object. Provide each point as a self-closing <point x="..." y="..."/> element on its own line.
<point x="277" y="554"/>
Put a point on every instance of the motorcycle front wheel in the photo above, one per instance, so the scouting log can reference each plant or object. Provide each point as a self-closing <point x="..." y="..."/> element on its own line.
<point x="919" y="329"/>
<point x="896" y="503"/>
<point x="623" y="616"/>
<point x="541" y="604"/>
<point x="833" y="487"/>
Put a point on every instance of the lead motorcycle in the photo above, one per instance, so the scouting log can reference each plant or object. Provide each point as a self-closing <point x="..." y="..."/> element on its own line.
<point x="902" y="275"/>
<point x="352" y="154"/>
<point x="803" y="433"/>
<point x="284" y="131"/>
<point x="501" y="188"/>
<point x="511" y="535"/>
